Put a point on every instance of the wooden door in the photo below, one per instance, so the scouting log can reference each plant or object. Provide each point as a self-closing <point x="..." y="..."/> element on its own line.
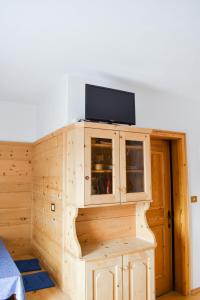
<point x="104" y="280"/>
<point x="135" y="173"/>
<point x="101" y="167"/>
<point x="159" y="213"/>
<point x="137" y="278"/>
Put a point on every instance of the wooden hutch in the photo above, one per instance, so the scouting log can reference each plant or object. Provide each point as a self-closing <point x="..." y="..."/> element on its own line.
<point x="109" y="248"/>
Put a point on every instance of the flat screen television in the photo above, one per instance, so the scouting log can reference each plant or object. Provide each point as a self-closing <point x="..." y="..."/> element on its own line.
<point x="109" y="105"/>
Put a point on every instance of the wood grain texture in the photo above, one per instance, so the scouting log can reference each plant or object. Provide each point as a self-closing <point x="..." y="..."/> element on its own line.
<point x="157" y="215"/>
<point x="97" y="225"/>
<point x="47" y="226"/>
<point x="181" y="207"/>
<point x="177" y="296"/>
<point x="15" y="196"/>
<point x="145" y="139"/>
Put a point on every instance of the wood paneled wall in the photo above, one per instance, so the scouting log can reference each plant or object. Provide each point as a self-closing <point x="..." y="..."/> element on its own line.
<point x="15" y="196"/>
<point x="47" y="226"/>
<point x="100" y="224"/>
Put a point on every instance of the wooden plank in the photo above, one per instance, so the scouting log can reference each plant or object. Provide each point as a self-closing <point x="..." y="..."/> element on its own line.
<point x="15" y="187"/>
<point x="15" y="232"/>
<point x="15" y="200"/>
<point x="74" y="167"/>
<point x="18" y="247"/>
<point x="87" y="214"/>
<point x="15" y="196"/>
<point x="115" y="248"/>
<point x="106" y="229"/>
<point x="15" y="152"/>
<point x="47" y="226"/>
<point x="15" y="216"/>
<point x="15" y="168"/>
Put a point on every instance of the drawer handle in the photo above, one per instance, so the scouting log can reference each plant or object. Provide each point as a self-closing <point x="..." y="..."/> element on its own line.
<point x="87" y="177"/>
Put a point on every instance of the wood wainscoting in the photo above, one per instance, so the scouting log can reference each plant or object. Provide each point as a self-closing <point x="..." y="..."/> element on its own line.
<point x="47" y="225"/>
<point x="15" y="196"/>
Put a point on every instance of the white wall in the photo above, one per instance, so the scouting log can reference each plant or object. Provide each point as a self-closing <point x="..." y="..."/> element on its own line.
<point x="17" y="122"/>
<point x="52" y="113"/>
<point x="67" y="103"/>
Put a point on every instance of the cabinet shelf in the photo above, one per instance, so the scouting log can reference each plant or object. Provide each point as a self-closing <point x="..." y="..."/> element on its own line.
<point x="102" y="145"/>
<point x="134" y="171"/>
<point x="101" y="171"/>
<point x="114" y="248"/>
<point x="134" y="147"/>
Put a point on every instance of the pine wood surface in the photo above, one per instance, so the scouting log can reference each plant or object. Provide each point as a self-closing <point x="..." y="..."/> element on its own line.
<point x="157" y="215"/>
<point x="181" y="204"/>
<point x="15" y="196"/>
<point x="47" y="226"/>
<point x="114" y="248"/>
<point x="56" y="294"/>
<point x="176" y="296"/>
<point x="47" y="294"/>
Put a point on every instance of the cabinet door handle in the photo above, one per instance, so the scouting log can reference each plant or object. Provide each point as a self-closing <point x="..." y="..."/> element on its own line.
<point x="169" y="217"/>
<point x="87" y="177"/>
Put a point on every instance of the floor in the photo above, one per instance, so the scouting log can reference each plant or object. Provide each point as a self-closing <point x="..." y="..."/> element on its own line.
<point x="175" y="296"/>
<point x="56" y="294"/>
<point x="47" y="294"/>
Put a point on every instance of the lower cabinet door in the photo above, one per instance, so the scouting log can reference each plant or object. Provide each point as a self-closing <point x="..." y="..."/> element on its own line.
<point x="138" y="277"/>
<point x="104" y="280"/>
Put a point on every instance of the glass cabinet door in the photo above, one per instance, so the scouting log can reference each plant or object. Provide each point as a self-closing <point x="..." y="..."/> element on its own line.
<point x="102" y="167"/>
<point x="135" y="166"/>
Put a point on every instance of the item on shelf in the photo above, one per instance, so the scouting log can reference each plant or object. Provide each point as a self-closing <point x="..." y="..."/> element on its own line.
<point x="98" y="166"/>
<point x="109" y="186"/>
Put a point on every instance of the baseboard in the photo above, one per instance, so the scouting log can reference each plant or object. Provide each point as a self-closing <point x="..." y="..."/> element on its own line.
<point x="195" y="291"/>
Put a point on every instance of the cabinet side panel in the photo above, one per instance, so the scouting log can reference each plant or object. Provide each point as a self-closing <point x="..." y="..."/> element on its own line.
<point x="47" y="225"/>
<point x="74" y="278"/>
<point x="75" y="167"/>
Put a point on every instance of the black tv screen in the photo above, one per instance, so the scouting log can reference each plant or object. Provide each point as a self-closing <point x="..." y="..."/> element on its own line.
<point x="109" y="105"/>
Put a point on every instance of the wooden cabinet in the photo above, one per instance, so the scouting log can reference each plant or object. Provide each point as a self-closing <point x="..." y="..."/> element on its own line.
<point x="128" y="277"/>
<point x="135" y="173"/>
<point x="104" y="280"/>
<point x="108" y="166"/>
<point x="101" y="167"/>
<point x="110" y="250"/>
<point x="138" y="274"/>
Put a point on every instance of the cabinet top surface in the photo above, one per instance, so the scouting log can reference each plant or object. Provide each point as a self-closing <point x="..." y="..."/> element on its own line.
<point x="118" y="127"/>
<point x="114" y="248"/>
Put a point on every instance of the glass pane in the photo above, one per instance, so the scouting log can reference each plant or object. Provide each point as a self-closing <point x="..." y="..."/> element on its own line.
<point x="134" y="167"/>
<point x="102" y="181"/>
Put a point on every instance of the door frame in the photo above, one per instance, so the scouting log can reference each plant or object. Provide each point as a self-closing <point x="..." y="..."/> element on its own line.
<point x="181" y="207"/>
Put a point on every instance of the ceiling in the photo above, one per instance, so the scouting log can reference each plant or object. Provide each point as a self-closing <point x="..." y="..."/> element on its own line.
<point x="151" y="42"/>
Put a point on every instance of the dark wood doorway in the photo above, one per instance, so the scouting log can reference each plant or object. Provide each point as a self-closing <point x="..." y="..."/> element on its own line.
<point x="159" y="216"/>
<point x="168" y="172"/>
